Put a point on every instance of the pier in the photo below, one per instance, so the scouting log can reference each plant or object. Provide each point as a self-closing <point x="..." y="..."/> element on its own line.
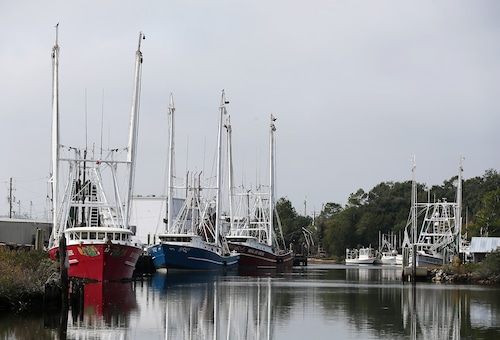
<point x="300" y="260"/>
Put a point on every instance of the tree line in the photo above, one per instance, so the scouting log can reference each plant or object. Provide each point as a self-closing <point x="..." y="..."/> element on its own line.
<point x="385" y="209"/>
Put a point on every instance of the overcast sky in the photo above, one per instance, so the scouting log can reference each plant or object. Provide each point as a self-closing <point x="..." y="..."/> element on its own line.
<point x="357" y="87"/>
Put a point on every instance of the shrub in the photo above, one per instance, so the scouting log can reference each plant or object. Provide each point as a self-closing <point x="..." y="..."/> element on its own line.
<point x="490" y="267"/>
<point x="23" y="275"/>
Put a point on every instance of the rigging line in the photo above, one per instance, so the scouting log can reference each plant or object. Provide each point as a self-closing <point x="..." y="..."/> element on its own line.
<point x="102" y="119"/>
<point x="187" y="155"/>
<point x="205" y="155"/>
<point x="86" y="130"/>
<point x="275" y="165"/>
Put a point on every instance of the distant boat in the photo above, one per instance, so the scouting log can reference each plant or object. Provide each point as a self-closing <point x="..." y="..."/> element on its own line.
<point x="360" y="256"/>
<point x="438" y="239"/>
<point x="387" y="253"/>
<point x="437" y="233"/>
<point x="253" y="236"/>
<point x="193" y="239"/>
<point x="90" y="214"/>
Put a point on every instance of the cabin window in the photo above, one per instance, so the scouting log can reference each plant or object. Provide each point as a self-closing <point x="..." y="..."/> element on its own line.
<point x="101" y="235"/>
<point x="93" y="235"/>
<point x="71" y="236"/>
<point x="124" y="237"/>
<point x="85" y="235"/>
<point x="117" y="237"/>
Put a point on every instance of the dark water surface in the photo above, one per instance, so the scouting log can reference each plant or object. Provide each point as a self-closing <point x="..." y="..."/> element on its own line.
<point x="313" y="302"/>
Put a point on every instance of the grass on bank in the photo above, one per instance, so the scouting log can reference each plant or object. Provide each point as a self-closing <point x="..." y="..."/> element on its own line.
<point x="23" y="275"/>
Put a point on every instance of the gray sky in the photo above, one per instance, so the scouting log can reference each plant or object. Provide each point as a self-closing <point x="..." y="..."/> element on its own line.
<point x="357" y="87"/>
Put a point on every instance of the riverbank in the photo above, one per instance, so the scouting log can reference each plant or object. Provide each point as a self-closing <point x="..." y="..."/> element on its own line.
<point x="23" y="275"/>
<point x="485" y="272"/>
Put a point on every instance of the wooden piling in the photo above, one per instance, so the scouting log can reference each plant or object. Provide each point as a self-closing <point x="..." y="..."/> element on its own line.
<point x="63" y="268"/>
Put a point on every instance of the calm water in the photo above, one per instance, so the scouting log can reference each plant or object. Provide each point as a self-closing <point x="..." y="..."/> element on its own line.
<point x="314" y="302"/>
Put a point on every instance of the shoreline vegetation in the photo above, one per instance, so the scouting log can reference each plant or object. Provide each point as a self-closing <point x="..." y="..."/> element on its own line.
<point x="25" y="274"/>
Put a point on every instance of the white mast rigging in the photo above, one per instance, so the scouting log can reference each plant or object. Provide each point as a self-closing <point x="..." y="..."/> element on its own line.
<point x="171" y="111"/>
<point x="222" y="112"/>
<point x="272" y="128"/>
<point x="230" y="161"/>
<point x="414" y="202"/>
<point x="55" y="131"/>
<point x="133" y="131"/>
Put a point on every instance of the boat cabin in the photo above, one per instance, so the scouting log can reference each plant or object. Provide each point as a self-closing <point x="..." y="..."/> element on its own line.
<point x="176" y="238"/>
<point x="98" y="236"/>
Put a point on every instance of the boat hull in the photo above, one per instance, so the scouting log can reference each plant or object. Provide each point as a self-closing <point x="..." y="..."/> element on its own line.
<point x="100" y="262"/>
<point x="174" y="256"/>
<point x="359" y="261"/>
<point x="388" y="261"/>
<point x="429" y="261"/>
<point x="257" y="258"/>
<point x="399" y="260"/>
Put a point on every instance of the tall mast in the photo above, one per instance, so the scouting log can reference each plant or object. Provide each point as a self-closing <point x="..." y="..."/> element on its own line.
<point x="458" y="212"/>
<point x="414" y="201"/>
<point x="272" y="128"/>
<point x="222" y="112"/>
<point x="230" y="162"/>
<point x="171" y="110"/>
<point x="55" y="130"/>
<point x="134" y="127"/>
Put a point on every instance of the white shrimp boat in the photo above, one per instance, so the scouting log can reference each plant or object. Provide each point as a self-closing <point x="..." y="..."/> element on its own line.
<point x="387" y="253"/>
<point x="438" y="239"/>
<point x="360" y="256"/>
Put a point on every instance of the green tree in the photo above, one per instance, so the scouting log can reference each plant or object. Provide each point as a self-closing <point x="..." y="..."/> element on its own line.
<point x="288" y="216"/>
<point x="321" y="225"/>
<point x="357" y="199"/>
<point x="488" y="218"/>
<point x="386" y="207"/>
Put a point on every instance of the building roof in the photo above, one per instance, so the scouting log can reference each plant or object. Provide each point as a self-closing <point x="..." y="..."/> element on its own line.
<point x="484" y="244"/>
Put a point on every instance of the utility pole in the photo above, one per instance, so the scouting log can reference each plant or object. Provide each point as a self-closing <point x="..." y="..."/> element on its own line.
<point x="10" y="199"/>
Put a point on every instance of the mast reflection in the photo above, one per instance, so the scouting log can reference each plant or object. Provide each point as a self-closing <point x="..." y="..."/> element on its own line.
<point x="432" y="313"/>
<point x="215" y="307"/>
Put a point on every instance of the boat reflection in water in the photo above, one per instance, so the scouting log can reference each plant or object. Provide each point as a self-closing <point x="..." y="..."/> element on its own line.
<point x="372" y="274"/>
<point x="431" y="312"/>
<point x="100" y="309"/>
<point x="321" y="301"/>
<point x="215" y="306"/>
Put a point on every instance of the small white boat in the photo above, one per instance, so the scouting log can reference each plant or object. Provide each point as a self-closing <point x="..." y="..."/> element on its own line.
<point x="388" y="257"/>
<point x="387" y="253"/>
<point x="361" y="256"/>
<point x="399" y="259"/>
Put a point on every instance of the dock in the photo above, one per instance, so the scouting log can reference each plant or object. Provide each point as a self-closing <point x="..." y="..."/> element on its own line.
<point x="421" y="274"/>
<point x="300" y="260"/>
